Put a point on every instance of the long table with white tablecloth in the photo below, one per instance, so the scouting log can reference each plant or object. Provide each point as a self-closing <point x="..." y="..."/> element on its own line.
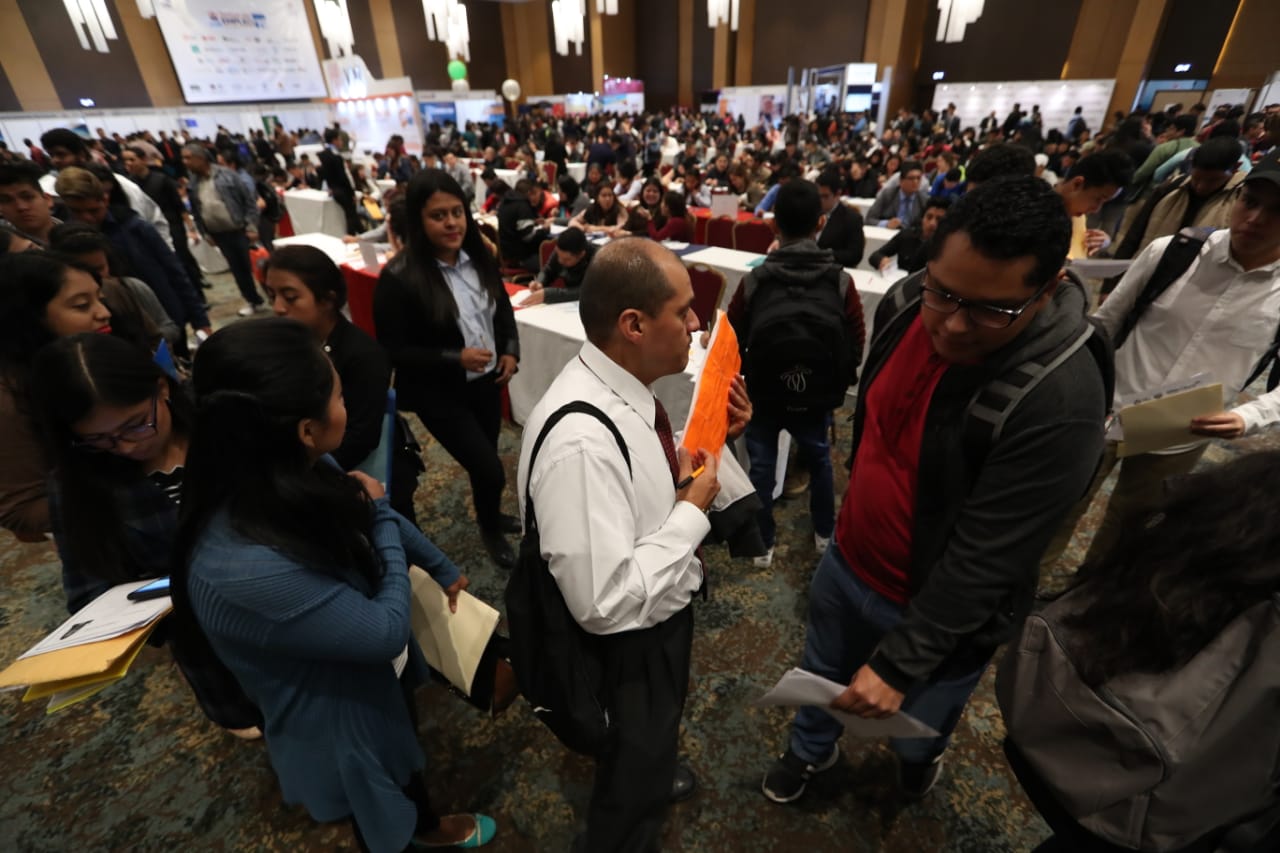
<point x="550" y="335"/>
<point x="315" y="211"/>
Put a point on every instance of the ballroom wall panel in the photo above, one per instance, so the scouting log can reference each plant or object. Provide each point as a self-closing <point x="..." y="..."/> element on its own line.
<point x="804" y="34"/>
<point x="110" y="79"/>
<point x="1010" y="40"/>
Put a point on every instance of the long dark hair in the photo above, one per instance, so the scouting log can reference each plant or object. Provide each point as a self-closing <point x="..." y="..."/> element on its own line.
<point x="74" y="240"/>
<point x="31" y="280"/>
<point x="253" y="383"/>
<point x="420" y="267"/>
<point x="314" y="269"/>
<point x="71" y="376"/>
<point x="1179" y="576"/>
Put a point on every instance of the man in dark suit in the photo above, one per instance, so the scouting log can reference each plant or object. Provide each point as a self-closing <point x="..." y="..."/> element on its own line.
<point x="333" y="171"/>
<point x="842" y="231"/>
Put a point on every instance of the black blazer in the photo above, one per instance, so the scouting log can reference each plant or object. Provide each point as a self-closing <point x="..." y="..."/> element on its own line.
<point x="843" y="235"/>
<point x="333" y="171"/>
<point x="365" y="370"/>
<point x="427" y="354"/>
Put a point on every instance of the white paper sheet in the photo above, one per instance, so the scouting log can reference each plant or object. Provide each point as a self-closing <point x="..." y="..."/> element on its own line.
<point x="109" y="615"/>
<point x="451" y="642"/>
<point x="520" y="298"/>
<point x="800" y="687"/>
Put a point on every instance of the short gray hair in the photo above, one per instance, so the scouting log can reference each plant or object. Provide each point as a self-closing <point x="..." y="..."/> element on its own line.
<point x="199" y="150"/>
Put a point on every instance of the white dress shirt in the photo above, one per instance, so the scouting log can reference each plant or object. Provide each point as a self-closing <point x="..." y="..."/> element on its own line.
<point x="1216" y="318"/>
<point x="620" y="546"/>
<point x="475" y="309"/>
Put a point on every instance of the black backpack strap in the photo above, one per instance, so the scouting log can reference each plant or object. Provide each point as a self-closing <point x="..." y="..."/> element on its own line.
<point x="1177" y="258"/>
<point x="1270" y="358"/>
<point x="576" y="407"/>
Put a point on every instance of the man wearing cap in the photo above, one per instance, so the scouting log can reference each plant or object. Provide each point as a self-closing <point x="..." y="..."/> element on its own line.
<point x="1218" y="318"/>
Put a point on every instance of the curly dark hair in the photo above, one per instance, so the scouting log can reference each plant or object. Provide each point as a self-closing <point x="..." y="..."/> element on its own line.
<point x="1011" y="217"/>
<point x="1000" y="160"/>
<point x="1179" y="576"/>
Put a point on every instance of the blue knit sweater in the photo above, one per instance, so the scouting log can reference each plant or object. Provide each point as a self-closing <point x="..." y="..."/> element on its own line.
<point x="315" y="654"/>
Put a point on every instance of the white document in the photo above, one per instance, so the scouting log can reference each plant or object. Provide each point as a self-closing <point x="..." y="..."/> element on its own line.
<point x="724" y="204"/>
<point x="109" y="615"/>
<point x="451" y="642"/>
<point x="369" y="254"/>
<point x="800" y="687"/>
<point x="520" y="298"/>
<point x="675" y="245"/>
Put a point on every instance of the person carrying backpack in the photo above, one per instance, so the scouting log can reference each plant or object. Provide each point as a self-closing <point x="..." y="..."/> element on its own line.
<point x="979" y="423"/>
<point x="798" y="320"/>
<point x="613" y="517"/>
<point x="1190" y="305"/>
<point x="1140" y="705"/>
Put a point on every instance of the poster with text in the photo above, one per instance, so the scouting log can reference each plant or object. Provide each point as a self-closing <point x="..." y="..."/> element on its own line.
<point x="241" y="50"/>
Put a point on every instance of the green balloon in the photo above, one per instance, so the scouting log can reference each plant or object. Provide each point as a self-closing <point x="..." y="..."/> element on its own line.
<point x="457" y="69"/>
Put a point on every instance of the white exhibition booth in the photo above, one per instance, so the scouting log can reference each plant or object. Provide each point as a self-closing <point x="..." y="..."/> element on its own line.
<point x="1057" y="100"/>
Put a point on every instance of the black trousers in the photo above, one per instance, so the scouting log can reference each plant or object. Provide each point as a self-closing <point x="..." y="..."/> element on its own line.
<point x="467" y="428"/>
<point x="181" y="248"/>
<point x="234" y="246"/>
<point x="348" y="204"/>
<point x="646" y="682"/>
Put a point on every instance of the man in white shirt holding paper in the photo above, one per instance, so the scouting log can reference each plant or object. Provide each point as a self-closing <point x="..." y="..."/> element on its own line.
<point x="1221" y="317"/>
<point x="621" y="544"/>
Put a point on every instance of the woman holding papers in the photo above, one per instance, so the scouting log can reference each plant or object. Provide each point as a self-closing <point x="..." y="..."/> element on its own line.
<point x="42" y="299"/>
<point x="443" y="315"/>
<point x="117" y="427"/>
<point x="298" y="575"/>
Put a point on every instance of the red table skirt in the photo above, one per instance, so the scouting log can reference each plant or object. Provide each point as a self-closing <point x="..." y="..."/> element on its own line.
<point x="360" y="285"/>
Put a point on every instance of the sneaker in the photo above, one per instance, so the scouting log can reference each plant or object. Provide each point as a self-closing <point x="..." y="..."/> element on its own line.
<point x="821" y="542"/>
<point x="763" y="562"/>
<point x="786" y="780"/>
<point x="915" y="779"/>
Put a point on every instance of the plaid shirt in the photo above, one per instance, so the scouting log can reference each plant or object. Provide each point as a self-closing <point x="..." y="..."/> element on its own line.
<point x="149" y="521"/>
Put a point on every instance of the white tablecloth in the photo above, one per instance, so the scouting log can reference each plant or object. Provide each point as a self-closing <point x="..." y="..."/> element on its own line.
<point x="862" y="204"/>
<point x="510" y="176"/>
<point x="577" y="171"/>
<point x="550" y="335"/>
<point x="313" y="211"/>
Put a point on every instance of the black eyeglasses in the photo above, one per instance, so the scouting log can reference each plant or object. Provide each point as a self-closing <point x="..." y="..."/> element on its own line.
<point x="981" y="313"/>
<point x="108" y="441"/>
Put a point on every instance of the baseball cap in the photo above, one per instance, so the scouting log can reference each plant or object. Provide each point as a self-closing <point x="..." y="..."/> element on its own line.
<point x="1266" y="169"/>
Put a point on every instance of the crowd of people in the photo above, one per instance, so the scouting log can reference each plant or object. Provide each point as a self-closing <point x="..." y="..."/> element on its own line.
<point x="148" y="444"/>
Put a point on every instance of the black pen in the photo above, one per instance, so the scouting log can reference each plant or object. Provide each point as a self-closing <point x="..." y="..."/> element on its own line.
<point x="684" y="484"/>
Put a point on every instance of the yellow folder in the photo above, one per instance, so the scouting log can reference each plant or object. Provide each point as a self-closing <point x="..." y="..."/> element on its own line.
<point x="77" y="662"/>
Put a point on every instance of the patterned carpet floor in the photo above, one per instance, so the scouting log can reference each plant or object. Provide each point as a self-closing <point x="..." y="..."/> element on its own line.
<point x="138" y="767"/>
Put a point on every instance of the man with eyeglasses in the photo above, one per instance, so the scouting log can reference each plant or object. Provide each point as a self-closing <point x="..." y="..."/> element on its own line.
<point x="978" y="425"/>
<point x="900" y="205"/>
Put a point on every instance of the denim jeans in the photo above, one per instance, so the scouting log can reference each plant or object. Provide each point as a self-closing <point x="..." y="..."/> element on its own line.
<point x="809" y="431"/>
<point x="234" y="246"/>
<point x="846" y="621"/>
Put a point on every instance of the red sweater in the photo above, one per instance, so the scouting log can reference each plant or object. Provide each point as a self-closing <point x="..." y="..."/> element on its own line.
<point x="875" y="523"/>
<point x="676" y="228"/>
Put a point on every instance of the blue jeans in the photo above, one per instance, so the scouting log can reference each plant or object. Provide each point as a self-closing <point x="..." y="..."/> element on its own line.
<point x="846" y="621"/>
<point x="809" y="431"/>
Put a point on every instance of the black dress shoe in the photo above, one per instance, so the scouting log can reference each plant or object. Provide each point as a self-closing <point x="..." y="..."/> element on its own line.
<point x="499" y="549"/>
<point x="684" y="785"/>
<point x="509" y="524"/>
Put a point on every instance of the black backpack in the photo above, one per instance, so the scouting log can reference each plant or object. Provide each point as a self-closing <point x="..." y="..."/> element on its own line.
<point x="557" y="664"/>
<point x="797" y="355"/>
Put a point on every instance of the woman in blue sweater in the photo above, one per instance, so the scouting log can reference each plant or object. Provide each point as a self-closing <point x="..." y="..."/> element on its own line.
<point x="298" y="575"/>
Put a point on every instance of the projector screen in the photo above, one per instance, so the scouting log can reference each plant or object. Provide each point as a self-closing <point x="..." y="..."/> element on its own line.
<point x="241" y="50"/>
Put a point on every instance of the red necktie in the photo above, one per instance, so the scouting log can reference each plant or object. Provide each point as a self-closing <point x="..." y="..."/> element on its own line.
<point x="663" y="425"/>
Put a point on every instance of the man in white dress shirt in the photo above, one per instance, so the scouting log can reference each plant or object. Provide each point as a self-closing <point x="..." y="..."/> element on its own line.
<point x="1221" y="318"/>
<point x="621" y="545"/>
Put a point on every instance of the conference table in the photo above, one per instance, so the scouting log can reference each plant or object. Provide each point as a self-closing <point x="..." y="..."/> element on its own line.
<point x="508" y="176"/>
<point x="315" y="212"/>
<point x="577" y="171"/>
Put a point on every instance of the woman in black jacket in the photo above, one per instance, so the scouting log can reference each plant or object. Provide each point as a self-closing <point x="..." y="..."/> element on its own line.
<point x="446" y="320"/>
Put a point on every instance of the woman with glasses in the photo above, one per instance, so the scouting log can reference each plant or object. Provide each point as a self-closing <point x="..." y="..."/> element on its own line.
<point x="42" y="299"/>
<point x="117" y="429"/>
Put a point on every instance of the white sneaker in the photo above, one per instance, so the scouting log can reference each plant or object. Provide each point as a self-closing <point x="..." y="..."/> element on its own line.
<point x="249" y="310"/>
<point x="821" y="542"/>
<point x="763" y="562"/>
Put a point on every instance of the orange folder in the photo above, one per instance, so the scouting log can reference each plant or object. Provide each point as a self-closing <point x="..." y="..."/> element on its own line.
<point x="708" y="423"/>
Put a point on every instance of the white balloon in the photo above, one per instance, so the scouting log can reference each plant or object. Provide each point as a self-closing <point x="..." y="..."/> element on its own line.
<point x="461" y="87"/>
<point x="510" y="90"/>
